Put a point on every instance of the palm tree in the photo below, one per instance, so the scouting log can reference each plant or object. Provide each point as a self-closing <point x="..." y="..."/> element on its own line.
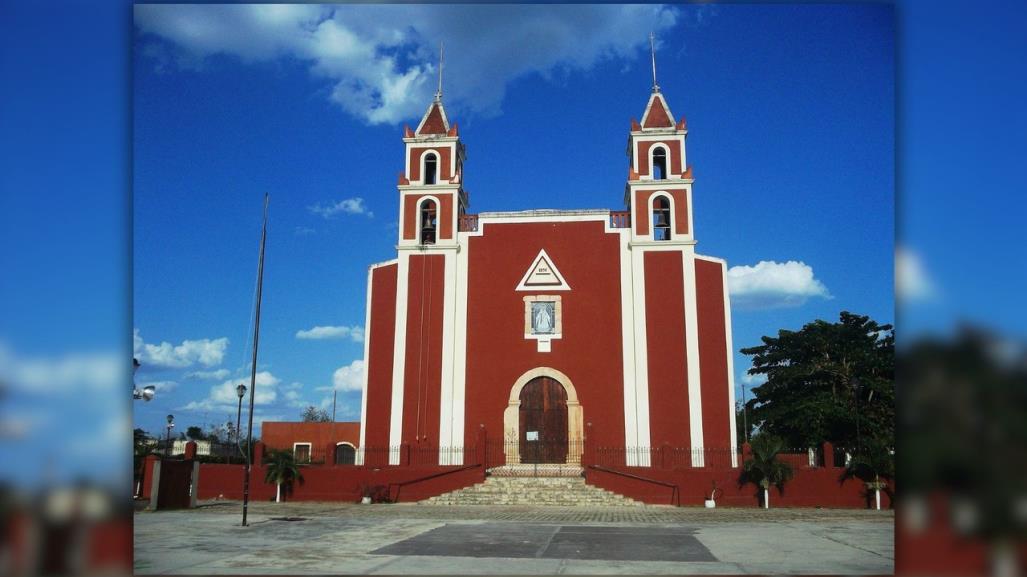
<point x="281" y="470"/>
<point x="764" y="469"/>
<point x="875" y="466"/>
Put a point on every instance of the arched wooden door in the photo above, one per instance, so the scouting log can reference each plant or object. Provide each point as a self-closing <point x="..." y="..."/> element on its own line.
<point x="543" y="422"/>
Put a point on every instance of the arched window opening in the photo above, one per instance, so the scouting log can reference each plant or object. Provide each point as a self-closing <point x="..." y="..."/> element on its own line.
<point x="345" y="454"/>
<point x="661" y="218"/>
<point x="659" y="164"/>
<point x="429" y="218"/>
<point x="431" y="168"/>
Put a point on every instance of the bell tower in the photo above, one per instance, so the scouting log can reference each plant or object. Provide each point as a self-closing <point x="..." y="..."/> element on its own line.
<point x="658" y="192"/>
<point x="431" y="185"/>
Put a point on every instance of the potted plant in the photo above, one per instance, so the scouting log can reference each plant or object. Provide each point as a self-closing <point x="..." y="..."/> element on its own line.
<point x="764" y="469"/>
<point x="281" y="470"/>
<point x="711" y="497"/>
<point x="366" y="493"/>
<point x="875" y="466"/>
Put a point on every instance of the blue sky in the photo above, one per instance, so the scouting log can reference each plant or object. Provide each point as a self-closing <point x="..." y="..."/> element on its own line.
<point x="66" y="214"/>
<point x="791" y="134"/>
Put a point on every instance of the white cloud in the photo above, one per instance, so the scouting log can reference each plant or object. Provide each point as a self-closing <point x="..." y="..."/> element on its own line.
<point x="345" y="206"/>
<point x="381" y="59"/>
<point x="753" y="380"/>
<point x="349" y="377"/>
<point x="102" y="371"/>
<point x="304" y="231"/>
<point x="772" y="284"/>
<point x="208" y="375"/>
<point x="912" y="281"/>
<point x="207" y="352"/>
<point x="223" y="397"/>
<point x="332" y="332"/>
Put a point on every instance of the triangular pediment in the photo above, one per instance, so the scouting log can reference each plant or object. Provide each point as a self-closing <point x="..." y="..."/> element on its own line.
<point x="543" y="275"/>
<point x="657" y="113"/>
<point x="434" y="121"/>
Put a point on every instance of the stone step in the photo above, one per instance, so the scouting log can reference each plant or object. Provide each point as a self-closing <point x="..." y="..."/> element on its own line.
<point x="543" y="491"/>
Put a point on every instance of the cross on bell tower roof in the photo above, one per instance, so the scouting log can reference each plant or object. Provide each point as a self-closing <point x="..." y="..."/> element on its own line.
<point x="652" y="53"/>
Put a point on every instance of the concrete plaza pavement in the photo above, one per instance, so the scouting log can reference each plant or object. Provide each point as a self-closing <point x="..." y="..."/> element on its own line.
<point x="324" y="538"/>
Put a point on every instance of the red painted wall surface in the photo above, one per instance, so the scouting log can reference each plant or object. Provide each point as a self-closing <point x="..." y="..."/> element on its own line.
<point x="589" y="352"/>
<point x="325" y="483"/>
<point x="379" y="361"/>
<point x="444" y="218"/>
<point x="673" y="154"/>
<point x="665" y="337"/>
<point x="282" y="435"/>
<point x="444" y="152"/>
<point x="716" y="407"/>
<point x="423" y="368"/>
<point x="642" y="217"/>
<point x="818" y="487"/>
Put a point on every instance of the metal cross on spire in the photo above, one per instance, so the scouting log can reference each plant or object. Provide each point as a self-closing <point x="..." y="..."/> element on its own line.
<point x="652" y="52"/>
<point x="438" y="93"/>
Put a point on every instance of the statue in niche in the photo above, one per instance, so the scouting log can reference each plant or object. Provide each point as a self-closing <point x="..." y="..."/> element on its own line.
<point x="543" y="317"/>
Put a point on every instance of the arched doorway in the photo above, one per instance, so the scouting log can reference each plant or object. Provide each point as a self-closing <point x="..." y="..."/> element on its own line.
<point x="542" y="419"/>
<point x="515" y="432"/>
<point x="345" y="454"/>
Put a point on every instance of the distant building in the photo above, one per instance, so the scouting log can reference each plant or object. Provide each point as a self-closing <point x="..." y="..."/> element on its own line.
<point x="548" y="326"/>
<point x="314" y="441"/>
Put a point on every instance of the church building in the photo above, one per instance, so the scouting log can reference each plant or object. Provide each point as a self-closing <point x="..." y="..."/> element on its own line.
<point x="548" y="328"/>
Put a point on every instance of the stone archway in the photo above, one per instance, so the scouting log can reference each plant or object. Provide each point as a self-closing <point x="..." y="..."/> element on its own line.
<point x="511" y="416"/>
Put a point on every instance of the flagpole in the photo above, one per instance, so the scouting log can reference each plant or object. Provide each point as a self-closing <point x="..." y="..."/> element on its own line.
<point x="253" y="368"/>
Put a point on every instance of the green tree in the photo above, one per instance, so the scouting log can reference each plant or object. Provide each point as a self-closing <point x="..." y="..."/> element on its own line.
<point x="195" y="433"/>
<point x="875" y="466"/>
<point x="764" y="469"/>
<point x="312" y="414"/>
<point x="825" y="382"/>
<point x="281" y="470"/>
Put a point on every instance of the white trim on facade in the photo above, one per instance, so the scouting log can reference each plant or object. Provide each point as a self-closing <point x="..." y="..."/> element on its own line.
<point x="446" y="381"/>
<point x="542" y="255"/>
<point x="438" y="167"/>
<point x="636" y="392"/>
<point x="673" y="216"/>
<point x="399" y="355"/>
<point x="367" y="368"/>
<point x="418" y="206"/>
<point x="692" y="352"/>
<point x="458" y="383"/>
<point x="666" y="167"/>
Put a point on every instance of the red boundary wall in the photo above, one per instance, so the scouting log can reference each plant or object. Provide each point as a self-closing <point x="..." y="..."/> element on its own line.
<point x="809" y="487"/>
<point x="338" y="483"/>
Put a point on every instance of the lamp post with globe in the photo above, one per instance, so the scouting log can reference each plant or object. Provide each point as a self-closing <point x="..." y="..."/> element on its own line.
<point x="241" y="391"/>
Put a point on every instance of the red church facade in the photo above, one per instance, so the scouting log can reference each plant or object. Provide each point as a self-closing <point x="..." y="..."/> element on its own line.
<point x="548" y="327"/>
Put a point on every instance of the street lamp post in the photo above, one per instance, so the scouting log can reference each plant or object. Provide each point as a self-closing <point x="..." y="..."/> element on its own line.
<point x="167" y="442"/>
<point x="241" y="391"/>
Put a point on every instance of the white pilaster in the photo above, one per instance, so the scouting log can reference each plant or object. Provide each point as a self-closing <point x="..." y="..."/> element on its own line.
<point x="367" y="370"/>
<point x="636" y="391"/>
<point x="446" y="413"/>
<point x="399" y="350"/>
<point x="730" y="367"/>
<point x="692" y="352"/>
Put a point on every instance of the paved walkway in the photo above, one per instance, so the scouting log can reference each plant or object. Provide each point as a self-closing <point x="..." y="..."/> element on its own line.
<point x="415" y="539"/>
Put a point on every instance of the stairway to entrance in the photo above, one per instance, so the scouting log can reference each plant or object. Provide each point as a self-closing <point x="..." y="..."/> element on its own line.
<point x="553" y="491"/>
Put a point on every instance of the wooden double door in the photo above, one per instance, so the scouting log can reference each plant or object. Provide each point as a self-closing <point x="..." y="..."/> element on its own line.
<point x="543" y="422"/>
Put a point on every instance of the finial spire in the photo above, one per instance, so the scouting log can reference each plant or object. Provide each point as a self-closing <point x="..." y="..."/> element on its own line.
<point x="438" y="93"/>
<point x="652" y="52"/>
